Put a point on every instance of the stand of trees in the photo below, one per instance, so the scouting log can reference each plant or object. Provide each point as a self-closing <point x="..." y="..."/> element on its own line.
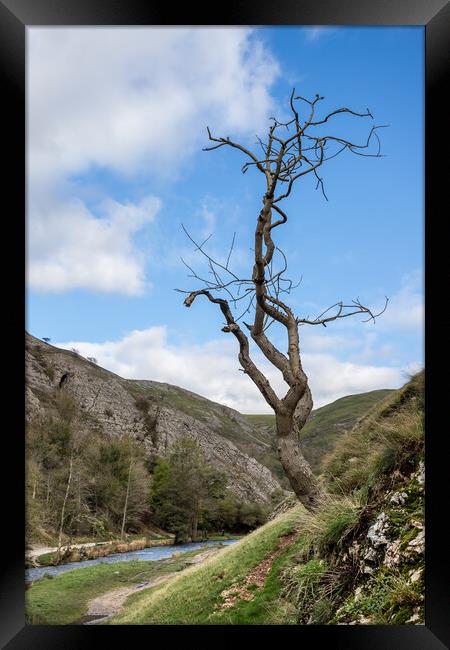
<point x="190" y="497"/>
<point x="83" y="483"/>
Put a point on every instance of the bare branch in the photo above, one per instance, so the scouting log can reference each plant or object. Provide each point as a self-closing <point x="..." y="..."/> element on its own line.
<point x="227" y="141"/>
<point x="356" y="306"/>
<point x="199" y="248"/>
<point x="231" y="250"/>
<point x="244" y="357"/>
<point x="290" y="151"/>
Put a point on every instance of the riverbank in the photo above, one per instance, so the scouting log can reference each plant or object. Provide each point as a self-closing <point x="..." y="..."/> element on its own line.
<point x="48" y="555"/>
<point x="153" y="554"/>
<point x="52" y="556"/>
<point x="86" y="594"/>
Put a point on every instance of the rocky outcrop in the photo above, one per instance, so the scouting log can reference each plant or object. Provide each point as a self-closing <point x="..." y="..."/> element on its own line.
<point x="155" y="413"/>
<point x="390" y="559"/>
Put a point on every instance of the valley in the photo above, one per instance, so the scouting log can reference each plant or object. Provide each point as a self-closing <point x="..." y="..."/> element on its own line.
<point x="139" y="492"/>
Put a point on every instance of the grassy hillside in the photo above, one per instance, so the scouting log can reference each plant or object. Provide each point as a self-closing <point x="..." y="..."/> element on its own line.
<point x="192" y="597"/>
<point x="324" y="427"/>
<point x="359" y="560"/>
<point x="225" y="421"/>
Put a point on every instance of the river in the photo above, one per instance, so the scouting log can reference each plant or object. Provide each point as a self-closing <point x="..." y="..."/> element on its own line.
<point x="152" y="553"/>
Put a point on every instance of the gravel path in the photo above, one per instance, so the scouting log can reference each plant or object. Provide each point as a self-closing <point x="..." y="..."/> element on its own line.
<point x="110" y="603"/>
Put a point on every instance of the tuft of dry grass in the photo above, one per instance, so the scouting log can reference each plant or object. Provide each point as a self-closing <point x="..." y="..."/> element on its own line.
<point x="373" y="448"/>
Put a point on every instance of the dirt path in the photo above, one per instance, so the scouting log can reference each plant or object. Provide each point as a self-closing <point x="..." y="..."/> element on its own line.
<point x="106" y="605"/>
<point x="110" y="603"/>
<point x="256" y="577"/>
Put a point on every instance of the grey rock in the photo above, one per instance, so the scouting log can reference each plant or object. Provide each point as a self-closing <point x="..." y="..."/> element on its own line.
<point x="358" y="593"/>
<point x="417" y="545"/>
<point x="370" y="555"/>
<point x="414" y="576"/>
<point x="398" y="498"/>
<point x="367" y="569"/>
<point x="377" y="532"/>
<point x="420" y="474"/>
<point x="414" y="618"/>
<point x="153" y="412"/>
<point x="393" y="556"/>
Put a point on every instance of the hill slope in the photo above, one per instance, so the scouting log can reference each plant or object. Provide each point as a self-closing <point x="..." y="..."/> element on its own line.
<point x="359" y="560"/>
<point x="325" y="425"/>
<point x="156" y="414"/>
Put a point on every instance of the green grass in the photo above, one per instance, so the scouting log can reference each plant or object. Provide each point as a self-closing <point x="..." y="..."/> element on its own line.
<point x="314" y="575"/>
<point x="262" y="420"/>
<point x="63" y="599"/>
<point x="47" y="559"/>
<point x="191" y="597"/>
<point x="387" y="598"/>
<point x="304" y="582"/>
<point x="266" y="607"/>
<point x="387" y="437"/>
<point x="195" y="596"/>
<point x="221" y="538"/>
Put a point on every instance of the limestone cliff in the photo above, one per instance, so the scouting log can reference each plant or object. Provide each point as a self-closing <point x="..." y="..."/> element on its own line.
<point x="155" y="413"/>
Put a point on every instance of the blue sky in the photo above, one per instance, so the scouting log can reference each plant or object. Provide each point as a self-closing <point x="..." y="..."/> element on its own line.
<point x="116" y="122"/>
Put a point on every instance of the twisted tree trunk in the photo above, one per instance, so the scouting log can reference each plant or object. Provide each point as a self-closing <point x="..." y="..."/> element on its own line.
<point x="287" y="156"/>
<point x="302" y="480"/>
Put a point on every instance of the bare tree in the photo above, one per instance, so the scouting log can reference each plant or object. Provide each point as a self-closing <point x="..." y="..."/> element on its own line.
<point x="291" y="150"/>
<point x="78" y="436"/>
<point x="125" y="507"/>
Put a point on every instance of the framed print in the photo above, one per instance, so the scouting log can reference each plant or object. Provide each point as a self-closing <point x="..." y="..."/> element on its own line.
<point x="234" y="244"/>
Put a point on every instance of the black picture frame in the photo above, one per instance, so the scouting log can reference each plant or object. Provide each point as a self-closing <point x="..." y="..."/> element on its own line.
<point x="434" y="15"/>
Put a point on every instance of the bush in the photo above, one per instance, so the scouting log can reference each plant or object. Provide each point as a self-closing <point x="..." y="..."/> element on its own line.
<point x="142" y="403"/>
<point x="65" y="406"/>
<point x="50" y="373"/>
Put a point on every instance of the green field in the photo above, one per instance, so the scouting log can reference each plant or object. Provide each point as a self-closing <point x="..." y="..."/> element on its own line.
<point x="64" y="599"/>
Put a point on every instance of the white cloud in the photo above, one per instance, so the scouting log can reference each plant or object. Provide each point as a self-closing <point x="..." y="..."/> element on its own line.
<point x="316" y="32"/>
<point x="388" y="340"/>
<point x="211" y="369"/>
<point x="406" y="308"/>
<point x="132" y="101"/>
<point x="124" y="96"/>
<point x="331" y="378"/>
<point x="71" y="248"/>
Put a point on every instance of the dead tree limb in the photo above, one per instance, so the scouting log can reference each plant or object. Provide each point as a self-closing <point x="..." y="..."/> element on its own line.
<point x="291" y="151"/>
